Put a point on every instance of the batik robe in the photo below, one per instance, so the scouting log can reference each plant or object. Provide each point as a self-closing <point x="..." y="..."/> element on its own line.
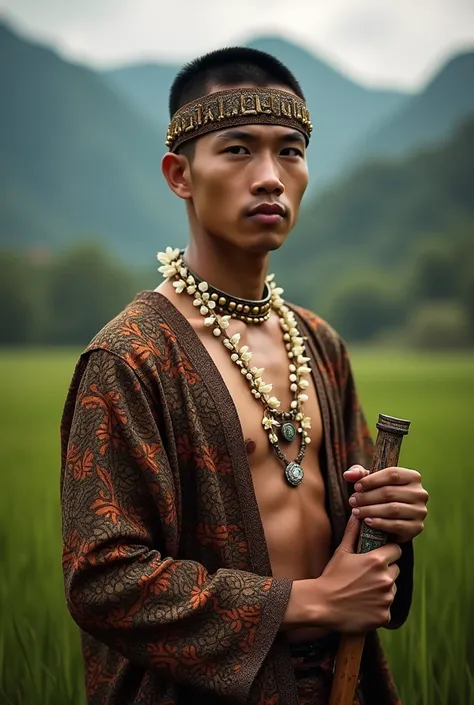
<point x="166" y="568"/>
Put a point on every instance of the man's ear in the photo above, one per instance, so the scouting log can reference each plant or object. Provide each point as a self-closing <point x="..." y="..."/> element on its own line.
<point x="177" y="172"/>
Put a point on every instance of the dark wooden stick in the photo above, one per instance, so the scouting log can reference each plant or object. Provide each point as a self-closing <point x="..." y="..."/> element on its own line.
<point x="386" y="454"/>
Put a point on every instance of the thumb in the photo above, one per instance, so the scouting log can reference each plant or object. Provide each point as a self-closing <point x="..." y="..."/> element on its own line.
<point x="351" y="535"/>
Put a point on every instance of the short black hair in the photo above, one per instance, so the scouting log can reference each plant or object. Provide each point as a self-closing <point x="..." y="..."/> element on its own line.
<point x="229" y="67"/>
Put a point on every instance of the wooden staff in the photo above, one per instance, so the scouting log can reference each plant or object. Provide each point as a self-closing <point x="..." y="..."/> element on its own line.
<point x="386" y="454"/>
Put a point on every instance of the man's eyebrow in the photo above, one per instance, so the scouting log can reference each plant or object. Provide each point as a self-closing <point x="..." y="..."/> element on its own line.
<point x="236" y="135"/>
<point x="294" y="136"/>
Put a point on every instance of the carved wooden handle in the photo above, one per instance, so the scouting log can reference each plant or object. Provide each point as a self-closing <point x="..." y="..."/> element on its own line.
<point x="386" y="453"/>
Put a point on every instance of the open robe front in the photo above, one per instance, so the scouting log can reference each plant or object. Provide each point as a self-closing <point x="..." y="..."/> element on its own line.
<point x="166" y="568"/>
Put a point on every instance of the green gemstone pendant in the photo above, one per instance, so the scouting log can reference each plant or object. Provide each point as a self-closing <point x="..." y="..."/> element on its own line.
<point x="288" y="431"/>
<point x="294" y="474"/>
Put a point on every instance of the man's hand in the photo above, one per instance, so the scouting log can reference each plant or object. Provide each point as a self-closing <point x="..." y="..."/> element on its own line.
<point x="356" y="591"/>
<point x="392" y="500"/>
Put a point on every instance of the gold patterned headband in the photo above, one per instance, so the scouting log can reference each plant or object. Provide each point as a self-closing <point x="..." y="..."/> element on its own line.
<point x="238" y="106"/>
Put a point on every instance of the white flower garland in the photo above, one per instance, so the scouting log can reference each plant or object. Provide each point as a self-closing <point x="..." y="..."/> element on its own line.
<point x="173" y="267"/>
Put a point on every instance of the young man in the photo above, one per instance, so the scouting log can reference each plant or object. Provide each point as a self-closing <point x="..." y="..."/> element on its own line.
<point x="210" y="437"/>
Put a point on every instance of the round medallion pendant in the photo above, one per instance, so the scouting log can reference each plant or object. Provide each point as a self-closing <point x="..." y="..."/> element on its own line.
<point x="294" y="474"/>
<point x="288" y="431"/>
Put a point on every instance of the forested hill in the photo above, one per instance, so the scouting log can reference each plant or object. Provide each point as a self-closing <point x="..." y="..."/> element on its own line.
<point x="426" y="118"/>
<point x="373" y="224"/>
<point x="77" y="160"/>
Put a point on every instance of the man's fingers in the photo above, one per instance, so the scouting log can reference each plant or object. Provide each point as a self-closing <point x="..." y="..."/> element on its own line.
<point x="392" y="510"/>
<point x="404" y="494"/>
<point x="387" y="476"/>
<point x="355" y="473"/>
<point x="402" y="529"/>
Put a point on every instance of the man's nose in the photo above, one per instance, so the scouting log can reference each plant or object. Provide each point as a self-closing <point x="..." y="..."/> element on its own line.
<point x="267" y="178"/>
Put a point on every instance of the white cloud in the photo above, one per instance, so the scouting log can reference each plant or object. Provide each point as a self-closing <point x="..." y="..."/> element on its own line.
<point x="380" y="42"/>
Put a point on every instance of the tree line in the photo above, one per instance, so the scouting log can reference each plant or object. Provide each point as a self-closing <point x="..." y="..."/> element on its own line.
<point x="65" y="298"/>
<point x="388" y="251"/>
<point x="425" y="303"/>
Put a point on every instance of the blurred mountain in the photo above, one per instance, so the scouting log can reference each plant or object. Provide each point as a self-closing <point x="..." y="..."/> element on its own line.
<point x="374" y="219"/>
<point x="146" y="86"/>
<point x="25" y="218"/>
<point x="80" y="156"/>
<point x="341" y="111"/>
<point x="428" y="117"/>
<point x="77" y="160"/>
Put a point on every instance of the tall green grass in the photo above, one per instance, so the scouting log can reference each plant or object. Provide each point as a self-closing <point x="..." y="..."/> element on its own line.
<point x="432" y="655"/>
<point x="39" y="657"/>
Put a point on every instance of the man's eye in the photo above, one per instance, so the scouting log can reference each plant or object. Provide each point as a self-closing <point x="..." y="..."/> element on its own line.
<point x="291" y="152"/>
<point x="235" y="149"/>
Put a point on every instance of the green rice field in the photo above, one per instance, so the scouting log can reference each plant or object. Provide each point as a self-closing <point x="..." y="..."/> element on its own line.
<point x="432" y="656"/>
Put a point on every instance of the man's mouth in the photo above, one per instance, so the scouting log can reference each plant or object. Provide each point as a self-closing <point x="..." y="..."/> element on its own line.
<point x="269" y="213"/>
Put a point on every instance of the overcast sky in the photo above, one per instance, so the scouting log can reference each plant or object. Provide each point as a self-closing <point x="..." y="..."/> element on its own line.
<point x="397" y="43"/>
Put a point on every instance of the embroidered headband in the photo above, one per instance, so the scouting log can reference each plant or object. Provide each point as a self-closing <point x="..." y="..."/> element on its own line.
<point x="238" y="106"/>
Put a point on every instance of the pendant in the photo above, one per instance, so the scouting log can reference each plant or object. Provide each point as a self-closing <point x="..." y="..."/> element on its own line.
<point x="288" y="431"/>
<point x="294" y="474"/>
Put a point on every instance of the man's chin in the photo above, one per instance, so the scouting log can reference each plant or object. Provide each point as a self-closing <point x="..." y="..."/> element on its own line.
<point x="265" y="240"/>
<point x="257" y="242"/>
<point x="268" y="238"/>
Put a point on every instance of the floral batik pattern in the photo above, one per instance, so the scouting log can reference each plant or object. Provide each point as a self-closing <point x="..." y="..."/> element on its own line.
<point x="165" y="564"/>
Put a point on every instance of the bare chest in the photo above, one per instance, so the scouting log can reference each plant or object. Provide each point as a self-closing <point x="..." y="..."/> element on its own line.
<point x="295" y="522"/>
<point x="276" y="498"/>
<point x="270" y="355"/>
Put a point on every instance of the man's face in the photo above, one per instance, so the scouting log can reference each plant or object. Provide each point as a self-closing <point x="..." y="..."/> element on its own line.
<point x="246" y="184"/>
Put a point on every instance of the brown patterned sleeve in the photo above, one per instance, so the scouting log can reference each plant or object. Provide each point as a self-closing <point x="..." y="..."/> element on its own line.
<point x="359" y="450"/>
<point x="124" y="583"/>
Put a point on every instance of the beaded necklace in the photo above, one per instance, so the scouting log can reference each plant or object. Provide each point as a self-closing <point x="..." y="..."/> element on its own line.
<point x="274" y="420"/>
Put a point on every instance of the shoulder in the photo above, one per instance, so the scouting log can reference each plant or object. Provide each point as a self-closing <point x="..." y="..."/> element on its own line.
<point x="126" y="351"/>
<point x="136" y="343"/>
<point x="136" y="333"/>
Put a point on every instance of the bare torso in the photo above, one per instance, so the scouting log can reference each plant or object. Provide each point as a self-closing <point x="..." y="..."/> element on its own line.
<point x="296" y="526"/>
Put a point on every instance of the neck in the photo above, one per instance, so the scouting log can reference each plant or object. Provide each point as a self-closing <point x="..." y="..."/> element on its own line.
<point x="240" y="274"/>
